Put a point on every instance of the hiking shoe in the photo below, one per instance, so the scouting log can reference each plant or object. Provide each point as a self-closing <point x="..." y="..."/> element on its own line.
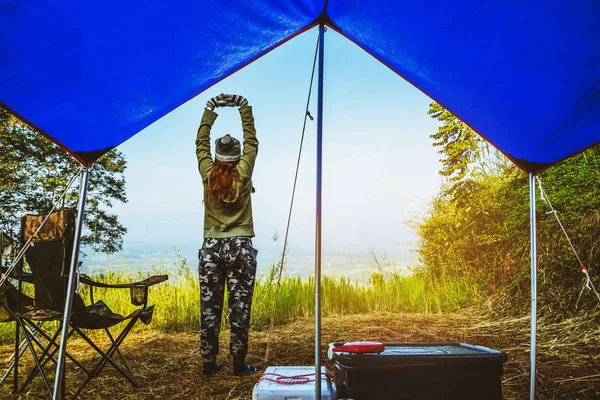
<point x="243" y="369"/>
<point x="210" y="368"/>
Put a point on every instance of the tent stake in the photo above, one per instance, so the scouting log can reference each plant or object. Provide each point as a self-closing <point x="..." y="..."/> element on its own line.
<point x="533" y="285"/>
<point x="60" y="366"/>
<point x="318" y="222"/>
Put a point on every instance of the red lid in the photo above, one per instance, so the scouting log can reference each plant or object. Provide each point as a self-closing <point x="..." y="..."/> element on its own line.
<point x="360" y="347"/>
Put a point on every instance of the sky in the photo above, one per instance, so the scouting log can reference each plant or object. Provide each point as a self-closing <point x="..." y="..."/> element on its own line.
<point x="380" y="169"/>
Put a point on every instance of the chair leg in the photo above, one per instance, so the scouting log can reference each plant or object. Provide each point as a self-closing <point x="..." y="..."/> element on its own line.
<point x="49" y="355"/>
<point x="56" y="348"/>
<point x="17" y="355"/>
<point x="21" y="349"/>
<point x="106" y="357"/>
<point x="35" y="358"/>
<point x="14" y="358"/>
<point x="43" y="360"/>
<point x="115" y="347"/>
<point x="17" y="352"/>
<point x="125" y="364"/>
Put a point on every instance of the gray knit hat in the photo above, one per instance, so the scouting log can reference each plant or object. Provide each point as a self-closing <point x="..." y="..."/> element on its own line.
<point x="227" y="149"/>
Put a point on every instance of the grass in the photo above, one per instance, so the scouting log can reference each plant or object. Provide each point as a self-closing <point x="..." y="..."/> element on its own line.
<point x="390" y="292"/>
<point x="389" y="307"/>
<point x="170" y="364"/>
<point x="177" y="300"/>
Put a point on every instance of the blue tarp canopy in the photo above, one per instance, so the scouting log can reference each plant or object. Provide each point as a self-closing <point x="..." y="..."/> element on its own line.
<point x="91" y="74"/>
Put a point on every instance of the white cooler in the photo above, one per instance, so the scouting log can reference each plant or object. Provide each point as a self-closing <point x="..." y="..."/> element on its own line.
<point x="291" y="384"/>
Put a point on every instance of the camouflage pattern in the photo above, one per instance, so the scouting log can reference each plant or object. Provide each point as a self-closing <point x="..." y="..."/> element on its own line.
<point x="55" y="226"/>
<point x="95" y="316"/>
<point x="41" y="314"/>
<point x="232" y="261"/>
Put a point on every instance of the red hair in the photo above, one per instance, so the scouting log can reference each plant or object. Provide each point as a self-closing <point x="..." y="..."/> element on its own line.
<point x="225" y="184"/>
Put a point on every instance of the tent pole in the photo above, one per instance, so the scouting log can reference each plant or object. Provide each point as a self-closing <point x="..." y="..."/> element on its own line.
<point x="533" y="284"/>
<point x="318" y="222"/>
<point x="60" y="366"/>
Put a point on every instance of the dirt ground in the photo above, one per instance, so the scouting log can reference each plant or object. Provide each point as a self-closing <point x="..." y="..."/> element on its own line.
<point x="170" y="365"/>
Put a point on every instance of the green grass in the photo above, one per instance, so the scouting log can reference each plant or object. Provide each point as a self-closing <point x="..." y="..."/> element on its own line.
<point x="177" y="300"/>
<point x="390" y="292"/>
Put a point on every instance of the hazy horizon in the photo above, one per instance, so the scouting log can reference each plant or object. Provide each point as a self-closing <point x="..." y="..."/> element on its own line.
<point x="145" y="257"/>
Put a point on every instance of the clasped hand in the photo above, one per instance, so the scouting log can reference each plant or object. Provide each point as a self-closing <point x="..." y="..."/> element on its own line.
<point x="226" y="100"/>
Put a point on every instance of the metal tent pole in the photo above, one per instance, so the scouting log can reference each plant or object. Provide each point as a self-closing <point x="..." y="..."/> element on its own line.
<point x="533" y="284"/>
<point x="60" y="366"/>
<point x="318" y="212"/>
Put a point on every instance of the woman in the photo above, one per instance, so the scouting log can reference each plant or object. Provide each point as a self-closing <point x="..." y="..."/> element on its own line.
<point x="227" y="254"/>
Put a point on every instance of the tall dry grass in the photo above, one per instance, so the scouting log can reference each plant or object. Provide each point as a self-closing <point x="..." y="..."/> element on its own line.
<point x="177" y="306"/>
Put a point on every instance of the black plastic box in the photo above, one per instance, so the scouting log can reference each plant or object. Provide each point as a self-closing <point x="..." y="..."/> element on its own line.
<point x="420" y="371"/>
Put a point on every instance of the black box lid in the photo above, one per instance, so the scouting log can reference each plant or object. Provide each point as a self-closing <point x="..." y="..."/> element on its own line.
<point x="401" y="354"/>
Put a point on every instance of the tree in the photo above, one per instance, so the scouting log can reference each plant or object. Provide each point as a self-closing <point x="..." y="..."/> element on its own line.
<point x="460" y="147"/>
<point x="477" y="230"/>
<point x="34" y="172"/>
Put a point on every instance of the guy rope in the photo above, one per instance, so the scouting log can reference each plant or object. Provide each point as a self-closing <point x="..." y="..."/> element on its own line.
<point x="588" y="284"/>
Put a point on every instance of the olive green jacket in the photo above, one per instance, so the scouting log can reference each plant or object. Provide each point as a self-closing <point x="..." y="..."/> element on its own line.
<point x="234" y="219"/>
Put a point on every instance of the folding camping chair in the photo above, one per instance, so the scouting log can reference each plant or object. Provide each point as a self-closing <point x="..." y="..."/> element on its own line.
<point x="11" y="300"/>
<point x="49" y="260"/>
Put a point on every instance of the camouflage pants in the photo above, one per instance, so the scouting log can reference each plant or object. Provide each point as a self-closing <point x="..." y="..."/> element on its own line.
<point x="232" y="261"/>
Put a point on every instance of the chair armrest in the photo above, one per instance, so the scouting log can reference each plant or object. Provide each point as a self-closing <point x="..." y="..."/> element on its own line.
<point x="25" y="277"/>
<point x="153" y="280"/>
<point x="138" y="290"/>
